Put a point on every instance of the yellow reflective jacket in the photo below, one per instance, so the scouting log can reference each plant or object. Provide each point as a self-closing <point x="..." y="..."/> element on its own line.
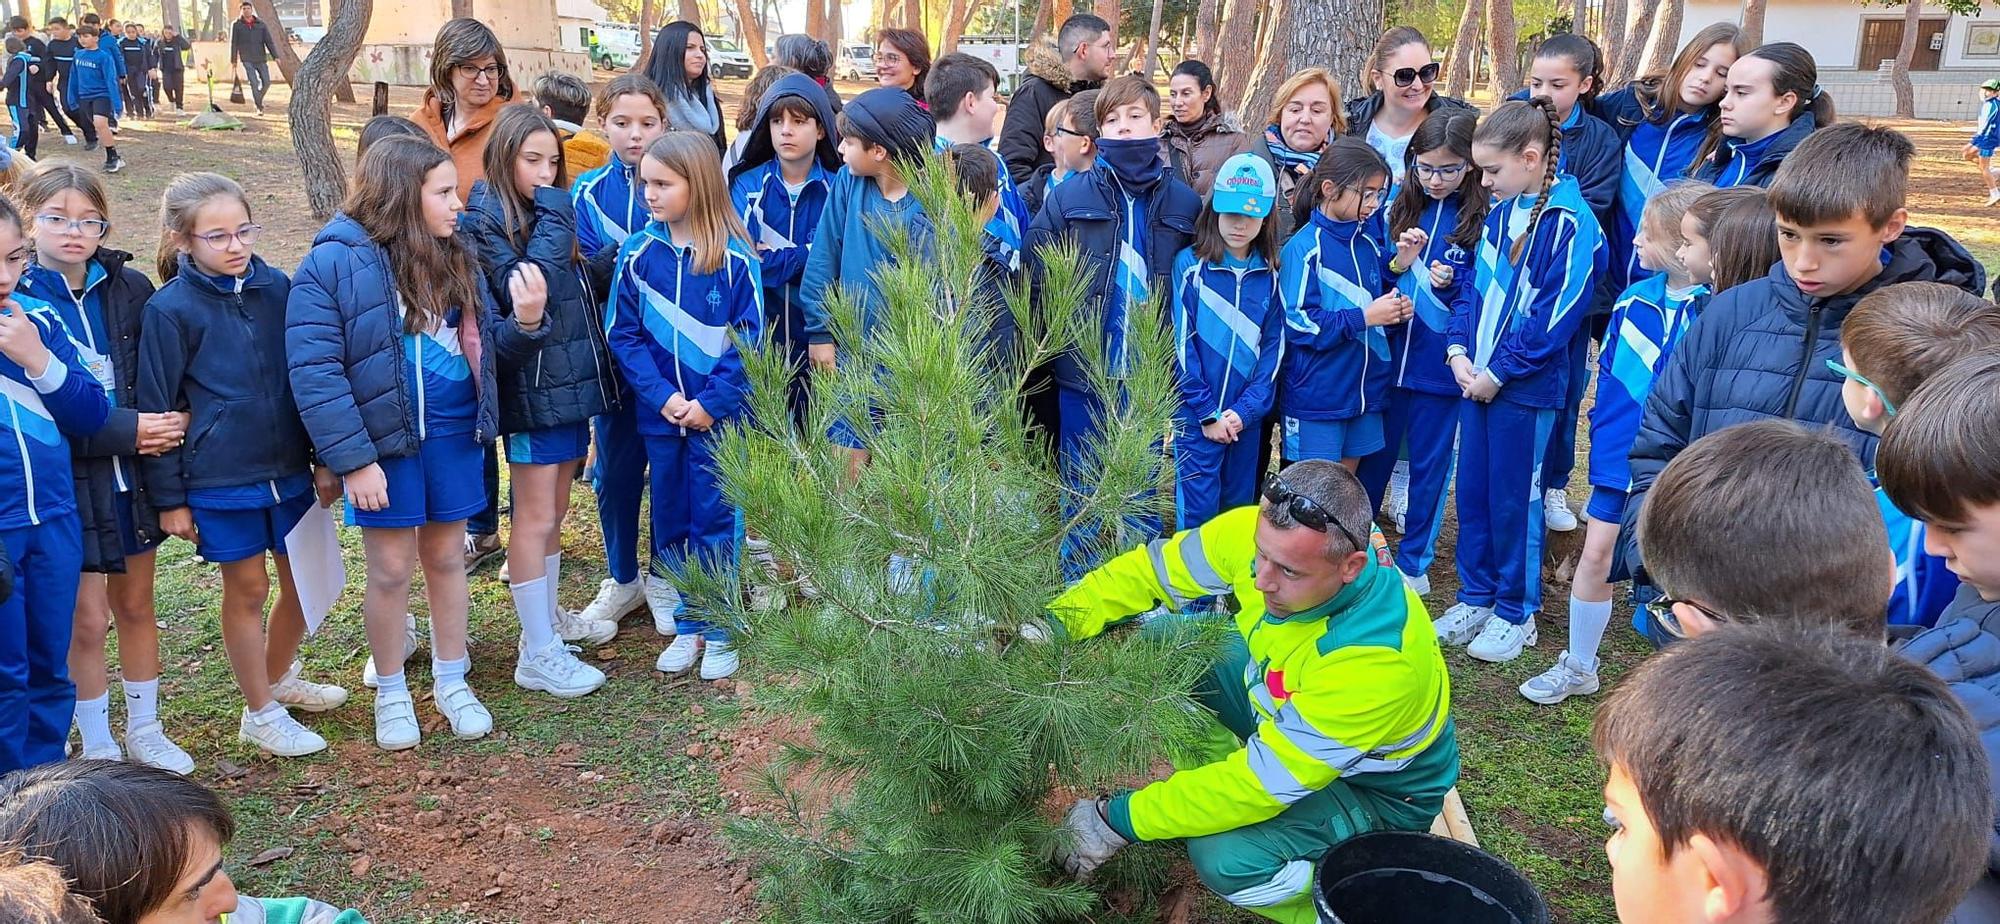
<point x="1353" y="690"/>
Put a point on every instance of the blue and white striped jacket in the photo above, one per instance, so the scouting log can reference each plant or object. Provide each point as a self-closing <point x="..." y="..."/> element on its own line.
<point x="1419" y="344"/>
<point x="1517" y="320"/>
<point x="1229" y="331"/>
<point x="38" y="417"/>
<point x="1645" y="326"/>
<point x="1656" y="155"/>
<point x="1339" y="366"/>
<point x="670" y="326"/>
<point x="609" y="206"/>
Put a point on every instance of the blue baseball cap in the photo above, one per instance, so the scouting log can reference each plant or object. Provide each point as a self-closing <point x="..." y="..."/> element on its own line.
<point x="1245" y="186"/>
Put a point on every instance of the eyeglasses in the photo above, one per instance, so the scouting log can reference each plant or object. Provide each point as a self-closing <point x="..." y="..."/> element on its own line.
<point x="472" y="72"/>
<point x="220" y="239"/>
<point x="92" y="228"/>
<point x="1426" y="171"/>
<point x="1367" y="195"/>
<point x="1662" y="613"/>
<point x="889" y="58"/>
<point x="1063" y="130"/>
<point x="1307" y="511"/>
<point x="1888" y="407"/>
<point x="1404" y="76"/>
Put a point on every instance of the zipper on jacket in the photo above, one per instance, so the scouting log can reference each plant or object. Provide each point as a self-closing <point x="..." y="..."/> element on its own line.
<point x="27" y="467"/>
<point x="423" y="415"/>
<point x="1361" y="387"/>
<point x="1229" y="358"/>
<point x="1805" y="361"/>
<point x="680" y="280"/>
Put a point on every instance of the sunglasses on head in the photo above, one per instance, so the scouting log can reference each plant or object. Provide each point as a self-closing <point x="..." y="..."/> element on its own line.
<point x="1404" y="76"/>
<point x="1307" y="511"/>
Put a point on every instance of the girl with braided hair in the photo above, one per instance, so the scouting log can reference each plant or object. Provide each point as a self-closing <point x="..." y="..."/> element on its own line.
<point x="1537" y="264"/>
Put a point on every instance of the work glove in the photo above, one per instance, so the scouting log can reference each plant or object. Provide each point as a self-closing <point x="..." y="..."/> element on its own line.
<point x="1095" y="840"/>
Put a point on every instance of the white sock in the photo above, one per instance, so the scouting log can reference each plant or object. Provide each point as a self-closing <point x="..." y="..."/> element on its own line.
<point x="1586" y="629"/>
<point x="447" y="673"/>
<point x="142" y="702"/>
<point x="93" y="721"/>
<point x="531" y="607"/>
<point x="271" y="710"/>
<point x="386" y="684"/>
<point x="552" y="569"/>
<point x="1399" y="477"/>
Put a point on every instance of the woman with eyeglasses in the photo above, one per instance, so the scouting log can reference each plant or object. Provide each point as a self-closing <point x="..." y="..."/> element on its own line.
<point x="679" y="66"/>
<point x="1199" y="137"/>
<point x="903" y="60"/>
<point x="469" y="85"/>
<point x="1403" y="73"/>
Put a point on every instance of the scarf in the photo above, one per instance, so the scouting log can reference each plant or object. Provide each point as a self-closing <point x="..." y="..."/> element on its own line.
<point x="1136" y="162"/>
<point x="686" y="112"/>
<point x="1287" y="159"/>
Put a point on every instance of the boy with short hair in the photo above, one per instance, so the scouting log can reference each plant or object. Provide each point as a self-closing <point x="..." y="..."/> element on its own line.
<point x="1071" y="138"/>
<point x="961" y="92"/>
<point x="1775" y="773"/>
<point x="566" y="101"/>
<point x="980" y="180"/>
<point x="1759" y="349"/>
<point x="1897" y="338"/>
<point x="93" y="91"/>
<point x="1814" y="552"/>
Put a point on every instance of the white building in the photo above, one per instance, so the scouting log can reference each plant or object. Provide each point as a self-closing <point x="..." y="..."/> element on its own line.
<point x="1855" y="45"/>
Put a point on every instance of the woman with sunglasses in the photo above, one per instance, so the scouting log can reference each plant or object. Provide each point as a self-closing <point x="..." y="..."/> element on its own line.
<point x="1403" y="74"/>
<point x="469" y="85"/>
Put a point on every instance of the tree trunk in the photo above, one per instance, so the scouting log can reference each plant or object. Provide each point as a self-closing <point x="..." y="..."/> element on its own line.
<point x="170" y="15"/>
<point x="1504" y="41"/>
<point x="1152" y="62"/>
<point x="1666" y="37"/>
<point x="1235" y="52"/>
<point x="835" y="27"/>
<point x="1611" y="28"/>
<point x="109" y="9"/>
<point x="1899" y="78"/>
<point x="311" y="108"/>
<point x="753" y="31"/>
<point x="343" y="89"/>
<point x="1753" y="22"/>
<point x="1107" y="10"/>
<point x="690" y="11"/>
<point x="1044" y="23"/>
<point x="1207" y="31"/>
<point x="913" y="17"/>
<point x="1464" y="51"/>
<point x="1063" y="10"/>
<point x="1638" y="29"/>
<point x="1333" y="34"/>
<point x="288" y="60"/>
<point x="957" y="15"/>
<point x="648" y="13"/>
<point x="816" y="19"/>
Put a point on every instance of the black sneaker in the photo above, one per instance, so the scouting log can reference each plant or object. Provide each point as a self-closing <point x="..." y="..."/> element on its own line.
<point x="114" y="165"/>
<point x="90" y="146"/>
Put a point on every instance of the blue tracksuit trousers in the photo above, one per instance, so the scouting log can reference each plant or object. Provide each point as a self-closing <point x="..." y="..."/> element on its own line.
<point x="620" y="479"/>
<point x="693" y="523"/>
<point x="1211" y="477"/>
<point x="1500" y="506"/>
<point x="37" y="699"/>
<point x="1077" y="422"/>
<point x="1559" y="460"/>
<point x="1427" y="426"/>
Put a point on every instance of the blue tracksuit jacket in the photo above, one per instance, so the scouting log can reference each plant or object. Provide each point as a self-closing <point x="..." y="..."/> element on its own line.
<point x="609" y="206"/>
<point x="1987" y="137"/>
<point x="671" y="326"/>
<point x="1645" y="326"/>
<point x="1419" y="345"/>
<point x="1229" y="332"/>
<point x="41" y="416"/>
<point x="1517" y="321"/>
<point x="1755" y="163"/>
<point x="1656" y="154"/>
<point x="848" y="247"/>
<point x="1339" y="366"/>
<point x="784" y="223"/>
<point x="1010" y="224"/>
<point x="95" y="75"/>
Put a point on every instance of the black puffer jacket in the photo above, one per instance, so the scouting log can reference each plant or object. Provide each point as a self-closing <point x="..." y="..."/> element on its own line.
<point x="110" y="455"/>
<point x="568" y="378"/>
<point x="1048" y="83"/>
<point x="1361" y="110"/>
<point x="1964" y="652"/>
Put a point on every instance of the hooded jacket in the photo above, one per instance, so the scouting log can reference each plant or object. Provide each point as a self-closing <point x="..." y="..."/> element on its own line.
<point x="1656" y="155"/>
<point x="1196" y="152"/>
<point x="568" y="377"/>
<point x="1048" y="83"/>
<point x="672" y="327"/>
<point x="1756" y="163"/>
<point x="849" y="245"/>
<point x="782" y="222"/>
<point x="344" y="341"/>
<point x="1339" y="367"/>
<point x="38" y="419"/>
<point x="1964" y="652"/>
<point x="219" y="353"/>
<point x="583" y="151"/>
<point x="1759" y="350"/>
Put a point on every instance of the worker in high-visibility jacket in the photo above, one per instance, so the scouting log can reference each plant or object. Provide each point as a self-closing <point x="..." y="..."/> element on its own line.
<point x="1335" y="687"/>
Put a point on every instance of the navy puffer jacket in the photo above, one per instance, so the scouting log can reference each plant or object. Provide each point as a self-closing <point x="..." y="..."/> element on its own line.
<point x="1759" y="350"/>
<point x="568" y="378"/>
<point x="1964" y="651"/>
<point x="344" y="342"/>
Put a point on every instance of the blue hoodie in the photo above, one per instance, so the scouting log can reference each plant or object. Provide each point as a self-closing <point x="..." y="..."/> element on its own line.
<point x="1229" y="335"/>
<point x="1419" y="345"/>
<point x="783" y="220"/>
<point x="1988" y="136"/>
<point x="671" y="326"/>
<point x="1517" y="321"/>
<point x="849" y="245"/>
<point x="19" y="82"/>
<point x="95" y="75"/>
<point x="1645" y="326"/>
<point x="609" y="206"/>
<point x="41" y="416"/>
<point x="1339" y="367"/>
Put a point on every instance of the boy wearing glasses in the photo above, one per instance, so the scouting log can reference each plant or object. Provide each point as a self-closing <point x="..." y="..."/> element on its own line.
<point x="1336" y="689"/>
<point x="1070" y="137"/>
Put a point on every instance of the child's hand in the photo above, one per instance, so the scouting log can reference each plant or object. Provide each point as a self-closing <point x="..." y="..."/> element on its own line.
<point x="1235" y="422"/>
<point x="1441" y="274"/>
<point x="21" y="341"/>
<point x="529" y="291"/>
<point x="1463" y="372"/>
<point x="326" y="485"/>
<point x="821" y="355"/>
<point x="674" y="406"/>
<point x="694" y="417"/>
<point x="179" y="522"/>
<point x="159" y="433"/>
<point x="368" y="488"/>
<point x="1409" y="246"/>
<point x="1217" y="432"/>
<point x="1483" y="388"/>
<point x="1392" y="308"/>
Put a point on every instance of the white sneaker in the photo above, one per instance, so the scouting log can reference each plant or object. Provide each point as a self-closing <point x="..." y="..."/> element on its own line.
<point x="369" y="678"/>
<point x="1556" y="514"/>
<point x="1460" y="623"/>
<point x="614" y="601"/>
<point x="1421" y="583"/>
<point x="306" y="696"/>
<point x="679" y="655"/>
<point x="150" y="746"/>
<point x="103" y="752"/>
<point x="469" y="719"/>
<point x="278" y="734"/>
<point x="718" y="660"/>
<point x="573" y="627"/>
<point x="1567" y="678"/>
<point x="664" y="599"/>
<point x="69" y="139"/>
<point x="396" y="721"/>
<point x="1501" y="641"/>
<point x="1992" y="196"/>
<point x="556" y="670"/>
<point x="1396" y="503"/>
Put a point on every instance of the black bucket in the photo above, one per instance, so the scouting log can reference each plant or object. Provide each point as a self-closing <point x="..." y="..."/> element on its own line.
<point x="1403" y="877"/>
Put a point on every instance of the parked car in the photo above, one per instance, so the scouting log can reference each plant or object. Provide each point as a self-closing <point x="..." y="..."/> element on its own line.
<point x="857" y="62"/>
<point x="614" y="45"/>
<point x="727" y="59"/>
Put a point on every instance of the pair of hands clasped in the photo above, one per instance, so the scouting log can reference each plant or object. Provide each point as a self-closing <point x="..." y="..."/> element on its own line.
<point x="21" y="341"/>
<point x="1225" y="429"/>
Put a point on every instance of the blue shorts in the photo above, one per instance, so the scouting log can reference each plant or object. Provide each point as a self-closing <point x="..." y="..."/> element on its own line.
<point x="225" y="536"/>
<point x="439" y="484"/>
<point x="1986" y="152"/>
<point x="1607" y="505"/>
<point x="1332" y="439"/>
<point x="566" y="443"/>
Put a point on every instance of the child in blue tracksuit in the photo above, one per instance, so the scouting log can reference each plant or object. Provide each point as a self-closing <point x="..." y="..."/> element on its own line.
<point x="779" y="187"/>
<point x="1985" y="139"/>
<point x="1756" y="137"/>
<point x="609" y="209"/>
<point x="1539" y="258"/>
<point x="1229" y="332"/>
<point x="214" y="343"/>
<point x="92" y="91"/>
<point x="51" y="397"/>
<point x="1646" y="325"/>
<point x="1337" y="307"/>
<point x="686" y="283"/>
<point x="20" y="85"/>
<point x="1436" y="221"/>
